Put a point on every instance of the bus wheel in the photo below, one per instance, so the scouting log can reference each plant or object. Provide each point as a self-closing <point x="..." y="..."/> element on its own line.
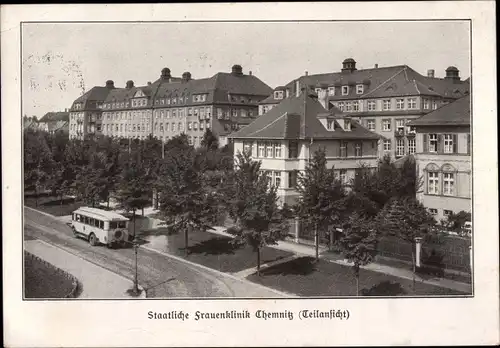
<point x="74" y="231"/>
<point x="92" y="240"/>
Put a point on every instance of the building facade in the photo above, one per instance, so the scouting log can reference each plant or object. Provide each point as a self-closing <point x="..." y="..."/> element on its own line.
<point x="171" y="106"/>
<point x="285" y="138"/>
<point x="383" y="99"/>
<point x="443" y="158"/>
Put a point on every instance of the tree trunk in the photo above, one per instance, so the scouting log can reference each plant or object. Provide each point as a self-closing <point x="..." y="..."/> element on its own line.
<point x="258" y="261"/>
<point x="316" y="241"/>
<point x="357" y="284"/>
<point x="186" y="240"/>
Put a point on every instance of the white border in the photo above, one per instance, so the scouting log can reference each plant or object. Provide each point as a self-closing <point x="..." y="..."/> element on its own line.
<point x="373" y="321"/>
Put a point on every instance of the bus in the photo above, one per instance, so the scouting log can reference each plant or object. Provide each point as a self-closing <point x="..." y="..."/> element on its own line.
<point x="100" y="226"/>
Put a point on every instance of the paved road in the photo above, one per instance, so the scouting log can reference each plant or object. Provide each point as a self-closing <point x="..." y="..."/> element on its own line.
<point x="161" y="275"/>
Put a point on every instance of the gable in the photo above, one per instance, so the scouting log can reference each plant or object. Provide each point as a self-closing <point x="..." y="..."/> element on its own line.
<point x="139" y="93"/>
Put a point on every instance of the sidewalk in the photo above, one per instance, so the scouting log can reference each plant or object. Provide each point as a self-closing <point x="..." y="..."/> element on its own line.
<point x="97" y="282"/>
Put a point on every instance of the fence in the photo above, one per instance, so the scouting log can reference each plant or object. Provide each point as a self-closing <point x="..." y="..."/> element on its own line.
<point x="438" y="252"/>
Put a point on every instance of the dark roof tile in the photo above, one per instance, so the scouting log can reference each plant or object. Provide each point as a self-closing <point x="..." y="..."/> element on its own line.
<point x="455" y="113"/>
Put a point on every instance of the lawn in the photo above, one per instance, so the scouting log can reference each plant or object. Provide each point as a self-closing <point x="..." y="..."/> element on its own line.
<point x="53" y="205"/>
<point x="305" y="278"/>
<point x="214" y="251"/>
<point x="42" y="280"/>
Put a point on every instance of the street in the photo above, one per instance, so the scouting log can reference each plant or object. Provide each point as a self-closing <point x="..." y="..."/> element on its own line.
<point x="160" y="275"/>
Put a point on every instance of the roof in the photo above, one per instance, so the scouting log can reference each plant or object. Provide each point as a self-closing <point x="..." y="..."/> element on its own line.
<point x="392" y="81"/>
<point x="297" y="118"/>
<point x="95" y="94"/>
<point x="454" y="113"/>
<point x="55" y="116"/>
<point x="101" y="214"/>
<point x="57" y="125"/>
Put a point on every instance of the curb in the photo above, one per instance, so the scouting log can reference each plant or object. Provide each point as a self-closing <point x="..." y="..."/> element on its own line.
<point x="177" y="258"/>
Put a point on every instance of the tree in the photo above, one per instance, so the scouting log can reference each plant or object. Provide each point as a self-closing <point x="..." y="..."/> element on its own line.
<point x="183" y="203"/>
<point x="359" y="243"/>
<point x="132" y="191"/>
<point x="321" y="197"/>
<point x="253" y="205"/>
<point x="209" y="140"/>
<point x="407" y="219"/>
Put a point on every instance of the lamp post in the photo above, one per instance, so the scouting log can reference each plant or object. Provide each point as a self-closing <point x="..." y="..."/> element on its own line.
<point x="136" y="282"/>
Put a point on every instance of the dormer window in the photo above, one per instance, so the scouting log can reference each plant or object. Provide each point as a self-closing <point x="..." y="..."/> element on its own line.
<point x="331" y="90"/>
<point x="345" y="90"/>
<point x="330" y="125"/>
<point x="278" y="95"/>
<point x="359" y="89"/>
<point x="347" y="125"/>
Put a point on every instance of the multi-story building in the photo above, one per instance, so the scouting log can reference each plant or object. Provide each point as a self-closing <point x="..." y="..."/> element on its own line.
<point x="443" y="158"/>
<point x="383" y="99"/>
<point x="285" y="138"/>
<point x="171" y="106"/>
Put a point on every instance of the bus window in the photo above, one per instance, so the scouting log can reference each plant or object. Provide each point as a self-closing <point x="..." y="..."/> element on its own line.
<point x="122" y="224"/>
<point x="85" y="220"/>
<point x="77" y="217"/>
<point x="96" y="223"/>
<point x="101" y="224"/>
<point x="112" y="225"/>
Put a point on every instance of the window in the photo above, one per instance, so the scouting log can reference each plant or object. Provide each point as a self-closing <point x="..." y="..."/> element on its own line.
<point x="343" y="149"/>
<point x="161" y="127"/>
<point x="387" y="144"/>
<point x="331" y="90"/>
<point x="400" y="104"/>
<point x="207" y="125"/>
<point x="330" y="124"/>
<point x="278" y="94"/>
<point x="386" y="125"/>
<point x="277" y="150"/>
<point x="426" y="103"/>
<point x="341" y="106"/>
<point x="433" y="211"/>
<point x="448" y="143"/>
<point x="190" y="125"/>
<point x="371" y="105"/>
<point x="412" y="147"/>
<point x="262" y="150"/>
<point x="447" y="212"/>
<point x="269" y="150"/>
<point x="190" y="140"/>
<point x="400" y="147"/>
<point x="167" y="127"/>
<point x="387" y="104"/>
<point x="219" y="113"/>
<point x="277" y="179"/>
<point x="345" y="90"/>
<point x="347" y="124"/>
<point x="195" y="141"/>
<point x="434" y="104"/>
<point x="202" y="113"/>
<point x="357" y="149"/>
<point x="292" y="179"/>
<point x="433" y="142"/>
<point x="180" y="127"/>
<point x="234" y="112"/>
<point x="448" y="184"/>
<point x="293" y="149"/>
<point x="359" y="89"/>
<point x="243" y="113"/>
<point x="202" y="125"/>
<point x="348" y="106"/>
<point x="370" y="125"/>
<point x="174" y="113"/>
<point x="190" y="112"/>
<point x="247" y="148"/>
<point x="355" y="106"/>
<point x="412" y="103"/>
<point x="433" y="183"/>
<point x="195" y="125"/>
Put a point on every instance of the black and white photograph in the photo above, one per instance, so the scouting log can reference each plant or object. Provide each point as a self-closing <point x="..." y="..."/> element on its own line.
<point x="248" y="160"/>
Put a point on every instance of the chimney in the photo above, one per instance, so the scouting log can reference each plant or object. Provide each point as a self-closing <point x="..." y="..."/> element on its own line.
<point x="149" y="83"/>
<point x="376" y="66"/>
<point x="165" y="74"/>
<point x="186" y="76"/>
<point x="110" y="84"/>
<point x="306" y="73"/>
<point x="129" y="84"/>
<point x="430" y="73"/>
<point x="452" y="73"/>
<point x="237" y="70"/>
<point x="250" y="73"/>
<point x="349" y="65"/>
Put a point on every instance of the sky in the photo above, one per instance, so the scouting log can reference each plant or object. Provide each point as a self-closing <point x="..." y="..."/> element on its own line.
<point x="62" y="61"/>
